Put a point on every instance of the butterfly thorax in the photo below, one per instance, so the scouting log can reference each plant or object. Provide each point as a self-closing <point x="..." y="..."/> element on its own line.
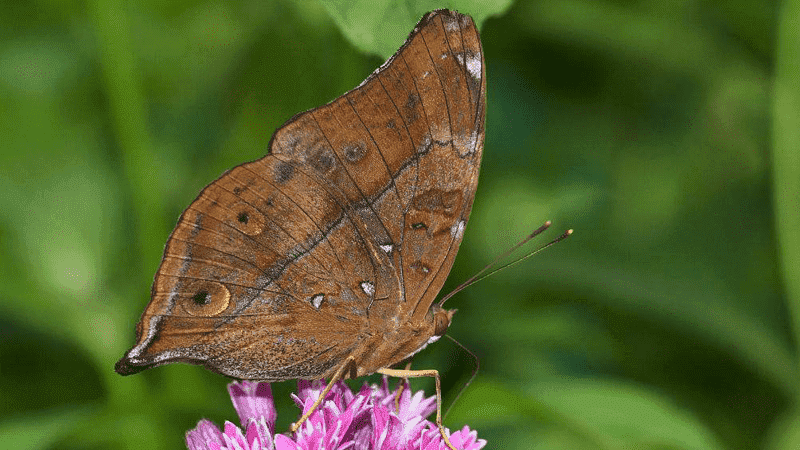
<point x="392" y="345"/>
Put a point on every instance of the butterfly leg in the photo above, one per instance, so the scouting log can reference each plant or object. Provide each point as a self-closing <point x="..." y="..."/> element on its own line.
<point x="424" y="373"/>
<point x="348" y="364"/>
<point x="400" y="388"/>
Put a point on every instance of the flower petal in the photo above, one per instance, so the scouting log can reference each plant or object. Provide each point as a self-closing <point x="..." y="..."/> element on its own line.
<point x="253" y="400"/>
<point x="467" y="440"/>
<point x="203" y="435"/>
<point x="284" y="443"/>
<point x="258" y="432"/>
<point x="233" y="437"/>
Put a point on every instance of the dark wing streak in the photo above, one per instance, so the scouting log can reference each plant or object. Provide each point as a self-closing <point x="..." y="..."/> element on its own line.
<point x="385" y="165"/>
<point x="217" y="317"/>
<point x="308" y="216"/>
<point x="216" y="264"/>
<point x="374" y="141"/>
<point x="306" y="251"/>
<point x="405" y="125"/>
<point x="349" y="175"/>
<point x="364" y="239"/>
<point x="296" y="166"/>
<point x="325" y="186"/>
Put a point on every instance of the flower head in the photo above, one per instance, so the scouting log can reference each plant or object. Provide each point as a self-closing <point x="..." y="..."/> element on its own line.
<point x="374" y="418"/>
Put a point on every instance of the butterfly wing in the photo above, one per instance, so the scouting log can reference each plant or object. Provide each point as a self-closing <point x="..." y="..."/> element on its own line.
<point x="280" y="266"/>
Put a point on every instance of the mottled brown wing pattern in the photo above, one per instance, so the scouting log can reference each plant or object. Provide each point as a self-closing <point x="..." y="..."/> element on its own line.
<point x="248" y="289"/>
<point x="286" y="266"/>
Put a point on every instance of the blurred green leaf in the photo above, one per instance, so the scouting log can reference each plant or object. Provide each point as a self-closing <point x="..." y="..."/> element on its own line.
<point x="41" y="430"/>
<point x="786" y="159"/>
<point x="624" y="416"/>
<point x="586" y="413"/>
<point x="785" y="434"/>
<point x="380" y="27"/>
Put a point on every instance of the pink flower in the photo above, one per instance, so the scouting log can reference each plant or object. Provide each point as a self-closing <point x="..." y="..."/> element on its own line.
<point x="374" y="418"/>
<point x="253" y="403"/>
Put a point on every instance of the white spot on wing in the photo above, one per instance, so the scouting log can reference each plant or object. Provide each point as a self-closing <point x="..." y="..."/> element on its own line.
<point x="457" y="230"/>
<point x="474" y="66"/>
<point x="387" y="248"/>
<point x="368" y="288"/>
<point x="472" y="142"/>
<point x="316" y="301"/>
<point x="451" y="24"/>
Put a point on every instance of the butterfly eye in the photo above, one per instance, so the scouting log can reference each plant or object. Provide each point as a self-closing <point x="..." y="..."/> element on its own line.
<point x="441" y="322"/>
<point x="206" y="298"/>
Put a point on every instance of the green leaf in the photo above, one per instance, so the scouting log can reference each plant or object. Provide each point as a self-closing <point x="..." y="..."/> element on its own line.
<point x="603" y="414"/>
<point x="381" y="26"/>
<point x="625" y="416"/>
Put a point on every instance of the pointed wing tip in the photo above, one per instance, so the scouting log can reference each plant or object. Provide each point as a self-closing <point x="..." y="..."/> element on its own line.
<point x="126" y="367"/>
<point x="464" y="19"/>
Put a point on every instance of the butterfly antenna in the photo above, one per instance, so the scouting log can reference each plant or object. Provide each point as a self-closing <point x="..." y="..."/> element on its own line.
<point x="471" y="378"/>
<point x="483" y="272"/>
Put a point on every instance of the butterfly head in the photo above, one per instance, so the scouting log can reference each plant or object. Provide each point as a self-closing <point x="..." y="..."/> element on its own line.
<point x="441" y="319"/>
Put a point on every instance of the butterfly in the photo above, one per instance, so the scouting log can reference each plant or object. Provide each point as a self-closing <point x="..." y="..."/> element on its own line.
<point x="323" y="258"/>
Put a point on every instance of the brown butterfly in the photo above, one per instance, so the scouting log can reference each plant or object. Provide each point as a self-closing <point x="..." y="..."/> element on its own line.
<point x="323" y="258"/>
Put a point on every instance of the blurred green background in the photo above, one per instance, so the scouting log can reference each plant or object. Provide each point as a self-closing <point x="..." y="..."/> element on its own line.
<point x="665" y="132"/>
